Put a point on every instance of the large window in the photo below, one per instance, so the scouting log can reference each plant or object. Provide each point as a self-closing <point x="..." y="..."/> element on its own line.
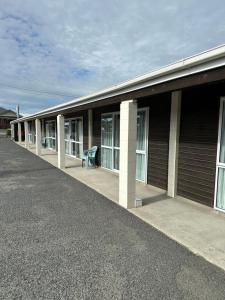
<point x="74" y="137"/>
<point x="110" y="145"/>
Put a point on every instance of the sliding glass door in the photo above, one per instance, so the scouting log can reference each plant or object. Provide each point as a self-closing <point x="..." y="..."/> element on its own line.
<point x="220" y="172"/>
<point x="31" y="135"/>
<point x="51" y="134"/>
<point x="110" y="142"/>
<point x="141" y="148"/>
<point x="116" y="141"/>
<point x="74" y="137"/>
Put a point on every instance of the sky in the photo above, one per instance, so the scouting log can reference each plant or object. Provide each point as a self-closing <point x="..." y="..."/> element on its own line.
<point x="52" y="51"/>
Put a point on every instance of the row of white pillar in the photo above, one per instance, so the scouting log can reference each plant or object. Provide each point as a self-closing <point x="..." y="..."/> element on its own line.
<point x="128" y="125"/>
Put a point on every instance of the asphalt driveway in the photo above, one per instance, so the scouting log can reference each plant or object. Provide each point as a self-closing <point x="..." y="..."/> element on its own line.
<point x="61" y="240"/>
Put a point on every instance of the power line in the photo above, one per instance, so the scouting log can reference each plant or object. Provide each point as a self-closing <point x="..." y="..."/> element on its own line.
<point x="38" y="91"/>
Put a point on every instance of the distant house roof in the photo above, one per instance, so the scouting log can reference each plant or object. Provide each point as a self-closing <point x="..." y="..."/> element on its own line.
<point x="7" y="113"/>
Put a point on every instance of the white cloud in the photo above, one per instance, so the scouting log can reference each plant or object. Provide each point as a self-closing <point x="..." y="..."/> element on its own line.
<point x="77" y="47"/>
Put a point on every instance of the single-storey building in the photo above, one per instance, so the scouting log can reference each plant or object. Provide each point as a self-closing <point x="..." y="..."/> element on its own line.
<point x="165" y="129"/>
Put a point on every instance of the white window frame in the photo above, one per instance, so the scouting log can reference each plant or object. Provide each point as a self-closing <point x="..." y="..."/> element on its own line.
<point x="74" y="141"/>
<point x="110" y="147"/>
<point x="30" y="133"/>
<point x="50" y="137"/>
<point x="218" y="163"/>
<point x="146" y="109"/>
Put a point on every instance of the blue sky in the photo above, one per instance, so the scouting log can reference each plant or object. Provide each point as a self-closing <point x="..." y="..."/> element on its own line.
<point x="75" y="47"/>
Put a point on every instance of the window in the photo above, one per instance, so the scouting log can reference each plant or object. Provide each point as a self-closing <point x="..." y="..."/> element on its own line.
<point x="220" y="181"/>
<point x="110" y="142"/>
<point x="51" y="134"/>
<point x="74" y="137"/>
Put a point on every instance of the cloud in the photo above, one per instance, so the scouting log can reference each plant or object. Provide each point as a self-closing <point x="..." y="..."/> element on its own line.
<point x="77" y="47"/>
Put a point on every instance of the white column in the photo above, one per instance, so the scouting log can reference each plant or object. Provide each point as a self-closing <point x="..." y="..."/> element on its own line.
<point x="38" y="136"/>
<point x="26" y="134"/>
<point x="19" y="133"/>
<point x="90" y="127"/>
<point x="61" y="141"/>
<point x="12" y="131"/>
<point x="127" y="173"/>
<point x="174" y="142"/>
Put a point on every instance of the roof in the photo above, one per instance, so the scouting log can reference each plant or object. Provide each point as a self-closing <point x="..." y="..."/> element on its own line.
<point x="206" y="60"/>
<point x="7" y="113"/>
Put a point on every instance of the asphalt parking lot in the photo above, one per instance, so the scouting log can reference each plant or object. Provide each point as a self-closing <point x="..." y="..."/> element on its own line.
<point x="60" y="239"/>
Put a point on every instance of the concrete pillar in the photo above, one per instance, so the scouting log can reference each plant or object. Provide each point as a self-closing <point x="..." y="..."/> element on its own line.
<point x="12" y="131"/>
<point x="90" y="128"/>
<point x="38" y="136"/>
<point x="127" y="173"/>
<point x="174" y="142"/>
<point x="19" y="133"/>
<point x="61" y="141"/>
<point x="26" y="134"/>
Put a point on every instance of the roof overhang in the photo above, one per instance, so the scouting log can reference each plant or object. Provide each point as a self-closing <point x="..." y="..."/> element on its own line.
<point x="204" y="61"/>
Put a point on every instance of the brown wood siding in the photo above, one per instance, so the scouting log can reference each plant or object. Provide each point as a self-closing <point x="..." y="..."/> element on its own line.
<point x="198" y="143"/>
<point x="158" y="139"/>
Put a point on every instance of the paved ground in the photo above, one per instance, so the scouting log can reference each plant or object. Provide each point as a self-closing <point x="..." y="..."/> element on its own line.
<point x="61" y="240"/>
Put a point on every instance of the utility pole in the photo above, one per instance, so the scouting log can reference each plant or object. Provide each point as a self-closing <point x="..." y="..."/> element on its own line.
<point x="18" y="111"/>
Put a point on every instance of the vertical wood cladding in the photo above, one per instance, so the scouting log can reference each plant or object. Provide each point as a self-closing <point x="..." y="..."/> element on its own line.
<point x="158" y="138"/>
<point x="198" y="143"/>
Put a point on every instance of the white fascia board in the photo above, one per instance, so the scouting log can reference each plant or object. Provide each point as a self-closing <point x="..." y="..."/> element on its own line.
<point x="195" y="64"/>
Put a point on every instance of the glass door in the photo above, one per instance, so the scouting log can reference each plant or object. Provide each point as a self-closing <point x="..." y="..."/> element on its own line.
<point x="67" y="136"/>
<point x="116" y="141"/>
<point x="51" y="134"/>
<point x="74" y="137"/>
<point x="220" y="168"/>
<point x="107" y="141"/>
<point x="141" y="148"/>
<point x="30" y="133"/>
<point x="110" y="142"/>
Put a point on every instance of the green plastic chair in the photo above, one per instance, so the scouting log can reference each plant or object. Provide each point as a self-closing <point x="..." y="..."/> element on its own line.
<point x="89" y="157"/>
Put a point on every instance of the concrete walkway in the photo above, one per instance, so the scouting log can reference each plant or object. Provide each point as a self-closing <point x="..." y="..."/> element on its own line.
<point x="99" y="179"/>
<point x="201" y="229"/>
<point x="59" y="239"/>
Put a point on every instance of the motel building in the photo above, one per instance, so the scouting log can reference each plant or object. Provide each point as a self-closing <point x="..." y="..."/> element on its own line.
<point x="165" y="129"/>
